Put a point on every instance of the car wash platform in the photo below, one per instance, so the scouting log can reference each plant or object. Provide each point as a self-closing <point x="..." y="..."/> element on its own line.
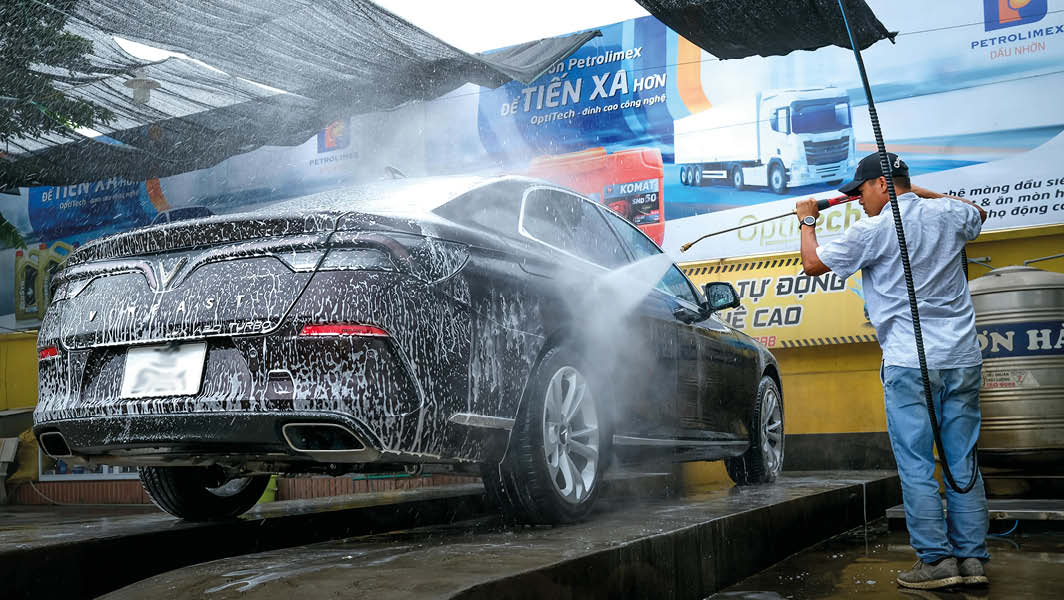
<point x="634" y="545"/>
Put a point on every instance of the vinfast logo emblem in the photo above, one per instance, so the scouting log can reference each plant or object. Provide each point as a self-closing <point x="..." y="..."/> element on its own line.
<point x="165" y="271"/>
<point x="335" y="136"/>
<point x="999" y="14"/>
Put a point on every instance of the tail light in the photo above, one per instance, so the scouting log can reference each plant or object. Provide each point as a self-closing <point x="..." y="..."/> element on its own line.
<point x="342" y="329"/>
<point x="47" y="352"/>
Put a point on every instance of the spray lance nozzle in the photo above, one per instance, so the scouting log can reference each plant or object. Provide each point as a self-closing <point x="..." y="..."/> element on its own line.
<point x="820" y="205"/>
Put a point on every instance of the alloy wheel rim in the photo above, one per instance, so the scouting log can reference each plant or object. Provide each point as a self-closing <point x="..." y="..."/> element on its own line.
<point x="231" y="487"/>
<point x="571" y="435"/>
<point x="772" y="430"/>
<point x="777" y="179"/>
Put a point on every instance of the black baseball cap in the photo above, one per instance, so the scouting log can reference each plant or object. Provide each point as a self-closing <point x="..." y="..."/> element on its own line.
<point x="869" y="168"/>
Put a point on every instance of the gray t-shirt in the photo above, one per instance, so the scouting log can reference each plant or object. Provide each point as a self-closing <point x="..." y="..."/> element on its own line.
<point x="935" y="233"/>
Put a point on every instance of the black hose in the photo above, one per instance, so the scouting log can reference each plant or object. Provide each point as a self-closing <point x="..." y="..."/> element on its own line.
<point x="884" y="164"/>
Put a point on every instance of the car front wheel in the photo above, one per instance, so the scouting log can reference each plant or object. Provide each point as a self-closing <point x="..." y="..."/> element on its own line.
<point x="763" y="461"/>
<point x="554" y="465"/>
<point x="199" y="493"/>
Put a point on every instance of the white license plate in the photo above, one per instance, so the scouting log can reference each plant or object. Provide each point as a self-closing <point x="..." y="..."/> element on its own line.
<point x="163" y="370"/>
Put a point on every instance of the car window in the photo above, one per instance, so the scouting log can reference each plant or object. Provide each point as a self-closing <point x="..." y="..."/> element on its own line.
<point x="636" y="241"/>
<point x="572" y="224"/>
<point x="673" y="283"/>
<point x="676" y="284"/>
<point x="495" y="207"/>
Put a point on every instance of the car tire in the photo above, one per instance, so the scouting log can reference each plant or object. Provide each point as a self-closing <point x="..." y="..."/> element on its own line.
<point x="684" y="175"/>
<point x="736" y="177"/>
<point x="763" y="461"/>
<point x="777" y="178"/>
<point x="553" y="468"/>
<point x="193" y="494"/>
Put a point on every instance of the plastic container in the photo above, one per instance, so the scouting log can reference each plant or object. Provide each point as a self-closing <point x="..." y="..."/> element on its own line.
<point x="630" y="182"/>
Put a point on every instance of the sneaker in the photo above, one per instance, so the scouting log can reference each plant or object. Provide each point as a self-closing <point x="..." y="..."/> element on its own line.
<point x="925" y="576"/>
<point x="972" y="572"/>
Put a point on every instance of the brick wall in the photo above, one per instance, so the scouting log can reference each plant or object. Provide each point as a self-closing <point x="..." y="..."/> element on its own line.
<point x="319" y="487"/>
<point x="120" y="491"/>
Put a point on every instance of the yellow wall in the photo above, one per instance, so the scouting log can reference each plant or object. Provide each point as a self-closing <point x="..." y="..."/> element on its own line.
<point x="18" y="370"/>
<point x="836" y="389"/>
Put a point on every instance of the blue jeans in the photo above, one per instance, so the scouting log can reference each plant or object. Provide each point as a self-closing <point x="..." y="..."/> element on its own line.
<point x="955" y="392"/>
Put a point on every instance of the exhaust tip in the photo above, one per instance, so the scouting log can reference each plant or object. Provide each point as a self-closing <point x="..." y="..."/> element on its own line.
<point x="54" y="444"/>
<point x="320" y="437"/>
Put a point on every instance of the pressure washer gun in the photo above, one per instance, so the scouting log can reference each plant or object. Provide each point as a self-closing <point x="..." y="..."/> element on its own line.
<point x="820" y="205"/>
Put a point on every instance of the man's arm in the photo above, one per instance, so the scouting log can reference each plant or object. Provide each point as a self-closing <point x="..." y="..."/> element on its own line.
<point x="811" y="263"/>
<point x="926" y="193"/>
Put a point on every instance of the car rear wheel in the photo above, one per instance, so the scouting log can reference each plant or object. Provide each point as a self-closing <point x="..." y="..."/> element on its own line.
<point x="199" y="493"/>
<point x="684" y="179"/>
<point x="763" y="461"/>
<point x="552" y="470"/>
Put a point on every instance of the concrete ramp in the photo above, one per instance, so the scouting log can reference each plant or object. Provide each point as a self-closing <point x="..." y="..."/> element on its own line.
<point x="632" y="547"/>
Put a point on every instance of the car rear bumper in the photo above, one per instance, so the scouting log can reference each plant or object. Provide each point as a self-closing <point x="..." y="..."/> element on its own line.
<point x="203" y="438"/>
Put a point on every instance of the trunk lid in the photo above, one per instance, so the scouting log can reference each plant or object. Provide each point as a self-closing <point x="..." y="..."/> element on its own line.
<point x="196" y="279"/>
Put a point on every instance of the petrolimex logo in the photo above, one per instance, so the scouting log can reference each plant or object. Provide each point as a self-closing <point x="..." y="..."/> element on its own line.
<point x="335" y="136"/>
<point x="999" y="14"/>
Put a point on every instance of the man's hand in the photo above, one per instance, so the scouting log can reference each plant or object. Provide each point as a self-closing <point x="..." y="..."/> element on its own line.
<point x="805" y="208"/>
<point x="810" y="261"/>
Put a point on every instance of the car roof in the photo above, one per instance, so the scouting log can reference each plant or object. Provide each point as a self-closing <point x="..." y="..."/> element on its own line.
<point x="413" y="195"/>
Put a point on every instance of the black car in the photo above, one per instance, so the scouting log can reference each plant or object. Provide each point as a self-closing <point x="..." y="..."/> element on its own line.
<point x="471" y="324"/>
<point x="181" y="214"/>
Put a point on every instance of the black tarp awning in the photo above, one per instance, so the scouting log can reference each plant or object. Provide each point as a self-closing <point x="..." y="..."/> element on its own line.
<point x="741" y="28"/>
<point x="282" y="70"/>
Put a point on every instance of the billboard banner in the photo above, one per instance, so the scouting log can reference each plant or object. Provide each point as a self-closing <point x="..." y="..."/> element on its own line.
<point x="784" y="308"/>
<point x="674" y="139"/>
<point x="965" y="95"/>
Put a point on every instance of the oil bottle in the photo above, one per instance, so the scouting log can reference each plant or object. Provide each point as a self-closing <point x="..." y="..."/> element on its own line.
<point x="27" y="272"/>
<point x="50" y="259"/>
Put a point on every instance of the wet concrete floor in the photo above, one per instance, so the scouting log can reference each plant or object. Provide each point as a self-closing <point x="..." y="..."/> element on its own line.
<point x="39" y="527"/>
<point x="630" y="548"/>
<point x="83" y="552"/>
<point x="1029" y="563"/>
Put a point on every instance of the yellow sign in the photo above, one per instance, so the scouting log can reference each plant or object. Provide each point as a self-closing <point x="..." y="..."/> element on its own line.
<point x="783" y="308"/>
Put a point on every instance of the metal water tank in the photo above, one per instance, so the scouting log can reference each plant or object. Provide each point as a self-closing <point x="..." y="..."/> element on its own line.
<point x="1019" y="316"/>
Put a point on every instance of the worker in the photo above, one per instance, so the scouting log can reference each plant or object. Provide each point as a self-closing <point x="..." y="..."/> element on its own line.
<point x="950" y="550"/>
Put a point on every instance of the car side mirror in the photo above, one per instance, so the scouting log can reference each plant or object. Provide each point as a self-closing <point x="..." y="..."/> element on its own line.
<point x="720" y="295"/>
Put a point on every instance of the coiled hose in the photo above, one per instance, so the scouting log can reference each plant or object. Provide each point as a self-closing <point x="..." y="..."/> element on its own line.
<point x="910" y="287"/>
